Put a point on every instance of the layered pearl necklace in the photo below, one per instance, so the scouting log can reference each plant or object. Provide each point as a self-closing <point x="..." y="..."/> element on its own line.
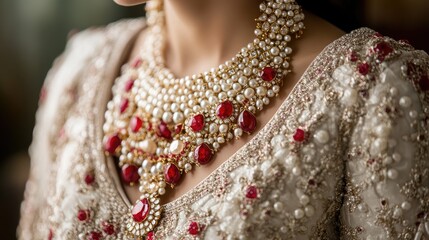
<point x="161" y="127"/>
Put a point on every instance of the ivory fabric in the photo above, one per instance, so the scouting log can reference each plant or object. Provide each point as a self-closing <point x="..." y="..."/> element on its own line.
<point x="362" y="171"/>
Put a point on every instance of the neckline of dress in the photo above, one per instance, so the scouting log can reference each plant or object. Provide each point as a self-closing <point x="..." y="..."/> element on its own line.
<point x="199" y="188"/>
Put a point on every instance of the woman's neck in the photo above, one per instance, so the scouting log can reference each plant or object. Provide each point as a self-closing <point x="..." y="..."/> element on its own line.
<point x="204" y="33"/>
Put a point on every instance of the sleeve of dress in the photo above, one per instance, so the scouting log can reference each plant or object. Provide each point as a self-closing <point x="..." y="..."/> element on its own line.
<point x="58" y="92"/>
<point x="387" y="161"/>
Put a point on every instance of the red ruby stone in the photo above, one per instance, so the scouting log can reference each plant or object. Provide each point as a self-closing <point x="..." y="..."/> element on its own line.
<point x="424" y="82"/>
<point x="150" y="236"/>
<point x="94" y="235"/>
<point x="178" y="128"/>
<point x="108" y="228"/>
<point x="123" y="105"/>
<point x="82" y="215"/>
<point x="224" y="110"/>
<point x="51" y="234"/>
<point x="163" y="131"/>
<point x="299" y="135"/>
<point x="268" y="74"/>
<point x="112" y="143"/>
<point x="363" y="68"/>
<point x="197" y="123"/>
<point x="135" y="124"/>
<point x="203" y="154"/>
<point x="141" y="210"/>
<point x="130" y="174"/>
<point x="129" y="85"/>
<point x="247" y="121"/>
<point x="172" y="174"/>
<point x="353" y="56"/>
<point x="251" y="192"/>
<point x="383" y="49"/>
<point x="89" y="178"/>
<point x="194" y="228"/>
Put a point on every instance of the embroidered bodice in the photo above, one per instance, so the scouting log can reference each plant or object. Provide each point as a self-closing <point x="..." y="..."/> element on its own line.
<point x="345" y="156"/>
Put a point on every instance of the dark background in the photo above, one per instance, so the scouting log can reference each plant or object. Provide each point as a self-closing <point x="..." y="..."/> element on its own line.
<point x="34" y="32"/>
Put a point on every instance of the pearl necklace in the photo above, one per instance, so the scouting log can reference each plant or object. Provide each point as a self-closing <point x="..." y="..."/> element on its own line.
<point x="160" y="126"/>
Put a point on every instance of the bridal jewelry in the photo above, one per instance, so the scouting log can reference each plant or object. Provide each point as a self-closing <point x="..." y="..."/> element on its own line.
<point x="161" y="127"/>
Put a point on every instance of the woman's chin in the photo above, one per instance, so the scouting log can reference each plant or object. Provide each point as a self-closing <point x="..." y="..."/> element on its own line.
<point x="130" y="2"/>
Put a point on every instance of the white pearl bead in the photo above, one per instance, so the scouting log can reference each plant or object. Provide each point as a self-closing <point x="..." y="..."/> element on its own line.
<point x="167" y="117"/>
<point x="397" y="157"/>
<point x="261" y="91"/>
<point x="392" y="174"/>
<point x="161" y="191"/>
<point x="378" y="146"/>
<point x="298" y="213"/>
<point x="363" y="207"/>
<point x="153" y="170"/>
<point x="275" y="51"/>
<point x="406" y="205"/>
<point x="176" y="147"/>
<point x="397" y="213"/>
<point x="249" y="92"/>
<point x="223" y="128"/>
<point x="148" y="146"/>
<point x="157" y="112"/>
<point x="278" y="206"/>
<point x="322" y="136"/>
<point x="146" y="164"/>
<point x="405" y="102"/>
<point x="309" y="211"/>
<point x="188" y="167"/>
<point x="238" y="132"/>
<point x="178" y="117"/>
<point x="304" y="200"/>
<point x="296" y="171"/>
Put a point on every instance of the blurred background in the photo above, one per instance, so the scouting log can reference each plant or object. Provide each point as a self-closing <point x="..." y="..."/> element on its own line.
<point x="33" y="33"/>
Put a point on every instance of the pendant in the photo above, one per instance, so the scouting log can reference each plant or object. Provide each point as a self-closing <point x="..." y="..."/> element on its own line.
<point x="144" y="215"/>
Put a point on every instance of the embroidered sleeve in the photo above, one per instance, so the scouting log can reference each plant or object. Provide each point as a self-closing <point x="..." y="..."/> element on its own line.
<point x="387" y="162"/>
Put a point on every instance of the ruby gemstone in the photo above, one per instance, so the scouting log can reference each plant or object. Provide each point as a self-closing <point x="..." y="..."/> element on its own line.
<point x="268" y="74"/>
<point x="251" y="192"/>
<point x="299" y="135"/>
<point x="112" y="143"/>
<point x="129" y="85"/>
<point x="364" y="68"/>
<point x="94" y="235"/>
<point x="51" y="234"/>
<point x="135" y="124"/>
<point x="141" y="210"/>
<point x="163" y="131"/>
<point x="353" y="56"/>
<point x="203" y="154"/>
<point x="224" y="110"/>
<point x="150" y="236"/>
<point x="197" y="123"/>
<point x="82" y="215"/>
<point x="123" y="105"/>
<point x="194" y="228"/>
<point x="383" y="49"/>
<point x="89" y="178"/>
<point x="247" y="121"/>
<point x="108" y="228"/>
<point x="424" y="82"/>
<point x="172" y="174"/>
<point x="130" y="174"/>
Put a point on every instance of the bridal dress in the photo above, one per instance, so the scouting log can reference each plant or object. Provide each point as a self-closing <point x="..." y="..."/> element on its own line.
<point x="346" y="156"/>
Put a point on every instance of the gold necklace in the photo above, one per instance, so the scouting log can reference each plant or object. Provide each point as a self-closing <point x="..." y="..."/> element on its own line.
<point x="160" y="127"/>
